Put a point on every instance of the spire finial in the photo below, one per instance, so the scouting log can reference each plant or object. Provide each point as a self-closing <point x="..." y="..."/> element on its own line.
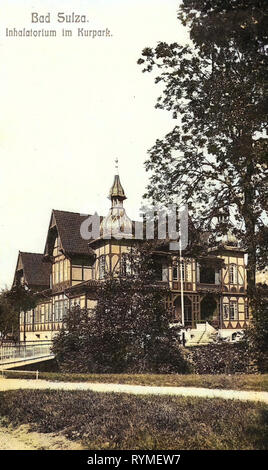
<point x="116" y="166"/>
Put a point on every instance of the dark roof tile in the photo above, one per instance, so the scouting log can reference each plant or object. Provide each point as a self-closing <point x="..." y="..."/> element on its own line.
<point x="35" y="270"/>
<point x="68" y="225"/>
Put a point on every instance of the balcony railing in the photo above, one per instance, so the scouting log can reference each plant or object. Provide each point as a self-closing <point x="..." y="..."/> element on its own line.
<point x="19" y="352"/>
<point x="207" y="286"/>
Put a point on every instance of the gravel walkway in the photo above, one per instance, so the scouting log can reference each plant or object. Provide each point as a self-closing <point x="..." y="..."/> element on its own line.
<point x="21" y="438"/>
<point x="14" y="384"/>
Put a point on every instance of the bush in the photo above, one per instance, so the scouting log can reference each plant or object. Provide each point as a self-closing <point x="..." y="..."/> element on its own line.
<point x="256" y="335"/>
<point x="221" y="358"/>
<point x="128" y="332"/>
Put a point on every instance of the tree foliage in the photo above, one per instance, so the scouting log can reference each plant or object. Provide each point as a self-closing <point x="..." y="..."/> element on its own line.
<point x="215" y="158"/>
<point x="8" y="318"/>
<point x="256" y="335"/>
<point x="12" y="302"/>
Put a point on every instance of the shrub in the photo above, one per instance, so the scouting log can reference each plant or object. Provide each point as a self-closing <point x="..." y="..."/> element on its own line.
<point x="127" y="331"/>
<point x="221" y="358"/>
<point x="256" y="335"/>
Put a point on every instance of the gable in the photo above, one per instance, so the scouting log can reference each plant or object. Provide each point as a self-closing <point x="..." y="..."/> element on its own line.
<point x="36" y="271"/>
<point x="66" y="227"/>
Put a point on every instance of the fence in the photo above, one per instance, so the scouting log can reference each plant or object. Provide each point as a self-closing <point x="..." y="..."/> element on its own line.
<point x="24" y="351"/>
<point x="16" y="372"/>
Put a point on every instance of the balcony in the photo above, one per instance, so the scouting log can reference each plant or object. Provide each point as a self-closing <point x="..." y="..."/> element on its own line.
<point x="187" y="286"/>
<point x="61" y="286"/>
<point x="207" y="287"/>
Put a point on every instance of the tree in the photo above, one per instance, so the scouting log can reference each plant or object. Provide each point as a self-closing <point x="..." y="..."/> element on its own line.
<point x="18" y="299"/>
<point x="8" y="319"/>
<point x="256" y="335"/>
<point x="128" y="330"/>
<point x="216" y="155"/>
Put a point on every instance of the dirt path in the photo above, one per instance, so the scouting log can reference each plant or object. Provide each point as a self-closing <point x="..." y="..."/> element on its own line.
<point x="14" y="384"/>
<point x="21" y="438"/>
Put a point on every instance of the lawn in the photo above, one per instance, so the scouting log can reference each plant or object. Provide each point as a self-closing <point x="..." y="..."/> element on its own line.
<point x="258" y="382"/>
<point x="102" y="421"/>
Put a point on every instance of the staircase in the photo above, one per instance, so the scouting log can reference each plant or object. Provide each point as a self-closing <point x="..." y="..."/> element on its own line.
<point x="204" y="333"/>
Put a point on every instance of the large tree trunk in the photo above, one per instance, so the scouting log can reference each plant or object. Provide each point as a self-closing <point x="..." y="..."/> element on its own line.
<point x="250" y="228"/>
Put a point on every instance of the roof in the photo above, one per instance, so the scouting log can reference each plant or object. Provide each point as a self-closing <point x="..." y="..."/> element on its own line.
<point x="117" y="189"/>
<point x="68" y="226"/>
<point x="36" y="271"/>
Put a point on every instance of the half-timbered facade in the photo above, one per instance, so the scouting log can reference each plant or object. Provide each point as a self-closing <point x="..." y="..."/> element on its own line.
<point x="66" y="274"/>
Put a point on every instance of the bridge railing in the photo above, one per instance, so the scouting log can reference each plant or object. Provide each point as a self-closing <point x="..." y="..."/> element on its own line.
<point x="21" y="351"/>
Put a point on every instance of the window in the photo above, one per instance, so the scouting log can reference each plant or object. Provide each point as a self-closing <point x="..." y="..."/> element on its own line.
<point x="164" y="273"/>
<point x="66" y="270"/>
<point x="217" y="276"/>
<point x="61" y="271"/>
<point x="28" y="318"/>
<point x="125" y="265"/>
<point x="77" y="274"/>
<point x="46" y="312"/>
<point x="56" y="273"/>
<point x="102" y="269"/>
<point x="183" y="271"/>
<point x="91" y="312"/>
<point x="75" y="302"/>
<point x="178" y="268"/>
<point x="56" y="311"/>
<point x="230" y="310"/>
<point x="175" y="273"/>
<point x="207" y="274"/>
<point x="226" y="311"/>
<point x="61" y="307"/>
<point x="240" y="276"/>
<point x="233" y="310"/>
<point x="157" y="271"/>
<point x="246" y="312"/>
<point x="81" y="272"/>
<point x="233" y="274"/>
<point x="50" y="312"/>
<point x="56" y="247"/>
<point x="37" y="314"/>
<point x="42" y="314"/>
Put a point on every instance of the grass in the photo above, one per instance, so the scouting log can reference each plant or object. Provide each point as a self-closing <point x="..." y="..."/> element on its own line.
<point x="102" y="421"/>
<point x="258" y="382"/>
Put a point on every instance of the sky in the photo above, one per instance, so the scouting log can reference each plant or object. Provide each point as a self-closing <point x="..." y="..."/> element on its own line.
<point x="69" y="107"/>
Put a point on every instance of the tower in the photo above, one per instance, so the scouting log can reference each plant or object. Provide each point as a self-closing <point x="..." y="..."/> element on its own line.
<point x="116" y="224"/>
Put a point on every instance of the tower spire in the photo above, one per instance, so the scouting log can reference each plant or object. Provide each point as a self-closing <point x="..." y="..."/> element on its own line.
<point x="116" y="166"/>
<point x="117" y="222"/>
<point x="117" y="192"/>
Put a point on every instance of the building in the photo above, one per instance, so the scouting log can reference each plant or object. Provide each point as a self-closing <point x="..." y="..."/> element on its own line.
<point x="66" y="274"/>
